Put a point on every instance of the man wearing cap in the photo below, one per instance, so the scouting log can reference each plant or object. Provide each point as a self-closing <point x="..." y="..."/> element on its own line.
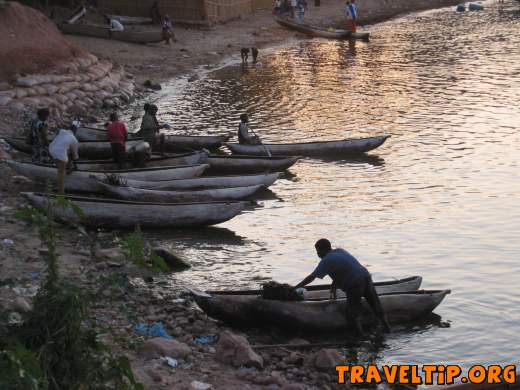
<point x="351" y="277"/>
<point x="64" y="150"/>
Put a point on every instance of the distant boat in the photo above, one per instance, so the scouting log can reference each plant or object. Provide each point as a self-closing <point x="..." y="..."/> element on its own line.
<point x="101" y="31"/>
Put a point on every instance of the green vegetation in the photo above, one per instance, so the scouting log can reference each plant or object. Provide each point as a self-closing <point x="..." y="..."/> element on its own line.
<point x="141" y="254"/>
<point x="55" y="346"/>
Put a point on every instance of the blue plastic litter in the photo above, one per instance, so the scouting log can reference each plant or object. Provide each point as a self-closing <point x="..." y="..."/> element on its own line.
<point x="156" y="330"/>
<point x="461" y="8"/>
<point x="205" y="340"/>
<point x="475" y="7"/>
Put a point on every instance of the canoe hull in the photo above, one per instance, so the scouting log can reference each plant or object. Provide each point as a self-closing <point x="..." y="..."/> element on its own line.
<point x="323" y="315"/>
<point x="315" y="31"/>
<point x="105" y="33"/>
<point x="346" y="147"/>
<point x="155" y="161"/>
<point x="144" y="195"/>
<point x="247" y="164"/>
<point x="103" y="213"/>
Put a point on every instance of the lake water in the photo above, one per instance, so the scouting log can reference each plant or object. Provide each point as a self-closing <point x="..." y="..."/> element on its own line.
<point x="439" y="199"/>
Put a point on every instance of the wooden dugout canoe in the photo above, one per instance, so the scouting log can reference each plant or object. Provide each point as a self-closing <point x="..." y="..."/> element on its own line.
<point x="315" y="315"/>
<point x="247" y="164"/>
<point x="347" y="147"/>
<point x="322" y="291"/>
<point x="106" y="213"/>
<point x="156" y="160"/>
<point x="47" y="172"/>
<point x="87" y="149"/>
<point x="144" y="195"/>
<point x="317" y="31"/>
<point x="101" y="31"/>
<point x="173" y="142"/>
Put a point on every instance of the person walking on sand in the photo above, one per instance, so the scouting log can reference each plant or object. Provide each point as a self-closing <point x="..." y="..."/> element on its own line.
<point x="117" y="135"/>
<point x="37" y="137"/>
<point x="351" y="12"/>
<point x="351" y="277"/>
<point x="64" y="150"/>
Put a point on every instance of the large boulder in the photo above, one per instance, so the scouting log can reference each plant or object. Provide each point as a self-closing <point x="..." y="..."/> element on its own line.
<point x="159" y="346"/>
<point x="235" y="350"/>
<point x="174" y="260"/>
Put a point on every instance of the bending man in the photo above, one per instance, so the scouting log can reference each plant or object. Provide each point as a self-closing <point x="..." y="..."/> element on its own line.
<point x="351" y="277"/>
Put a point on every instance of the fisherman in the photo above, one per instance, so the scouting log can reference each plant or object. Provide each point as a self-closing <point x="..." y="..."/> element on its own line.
<point x="278" y="7"/>
<point x="351" y="11"/>
<point x="37" y="137"/>
<point x="117" y="135"/>
<point x="64" y="150"/>
<point x="150" y="128"/>
<point x="244" y="138"/>
<point x="167" y="26"/>
<point x="351" y="277"/>
<point x="294" y="6"/>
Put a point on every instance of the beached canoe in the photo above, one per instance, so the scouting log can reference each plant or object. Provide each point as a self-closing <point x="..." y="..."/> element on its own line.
<point x="144" y="195"/>
<point x="130" y="20"/>
<point x="107" y="213"/>
<point x="248" y="164"/>
<point x="157" y="160"/>
<point x="101" y="31"/>
<point x="173" y="142"/>
<point x="322" y="291"/>
<point x="87" y="149"/>
<point x="345" y="147"/>
<point x="40" y="172"/>
<point x="314" y="315"/>
<point x="321" y="32"/>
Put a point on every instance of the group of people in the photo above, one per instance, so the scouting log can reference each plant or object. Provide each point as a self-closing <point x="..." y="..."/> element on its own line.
<point x="63" y="150"/>
<point x="297" y="10"/>
<point x="166" y="28"/>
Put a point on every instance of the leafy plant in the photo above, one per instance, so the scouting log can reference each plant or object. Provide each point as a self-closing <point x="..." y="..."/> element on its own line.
<point x="141" y="255"/>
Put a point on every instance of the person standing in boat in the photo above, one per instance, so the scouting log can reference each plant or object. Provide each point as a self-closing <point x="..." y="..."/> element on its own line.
<point x="64" y="150"/>
<point x="167" y="33"/>
<point x="351" y="11"/>
<point x="244" y="138"/>
<point x="37" y="137"/>
<point x="150" y="128"/>
<point x="350" y="276"/>
<point x="117" y="135"/>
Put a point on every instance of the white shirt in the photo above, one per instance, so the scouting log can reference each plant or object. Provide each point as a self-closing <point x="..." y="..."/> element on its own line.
<point x="115" y="25"/>
<point x="62" y="144"/>
<point x="294" y="3"/>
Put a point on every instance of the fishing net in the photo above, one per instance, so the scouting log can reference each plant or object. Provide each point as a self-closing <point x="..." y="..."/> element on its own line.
<point x="280" y="291"/>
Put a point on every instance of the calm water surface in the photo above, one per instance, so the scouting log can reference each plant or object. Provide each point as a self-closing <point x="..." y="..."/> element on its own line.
<point x="440" y="199"/>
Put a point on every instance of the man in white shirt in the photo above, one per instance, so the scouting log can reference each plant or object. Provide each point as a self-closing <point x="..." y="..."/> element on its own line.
<point x="294" y="6"/>
<point x="64" y="150"/>
<point x="115" y="25"/>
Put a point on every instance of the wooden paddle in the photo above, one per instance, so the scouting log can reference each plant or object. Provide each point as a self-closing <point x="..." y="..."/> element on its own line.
<point x="261" y="143"/>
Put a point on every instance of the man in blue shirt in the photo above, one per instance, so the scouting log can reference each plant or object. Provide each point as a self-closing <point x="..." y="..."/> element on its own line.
<point x="351" y="277"/>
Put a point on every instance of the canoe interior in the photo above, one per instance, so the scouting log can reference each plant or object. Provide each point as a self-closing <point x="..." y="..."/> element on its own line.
<point x="115" y="172"/>
<point x="155" y="158"/>
<point x="316" y="287"/>
<point x="127" y="202"/>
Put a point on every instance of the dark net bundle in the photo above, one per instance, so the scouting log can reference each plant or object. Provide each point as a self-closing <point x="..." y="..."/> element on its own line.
<point x="280" y="292"/>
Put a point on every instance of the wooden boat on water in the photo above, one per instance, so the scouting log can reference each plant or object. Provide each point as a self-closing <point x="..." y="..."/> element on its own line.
<point x="157" y="160"/>
<point x="322" y="291"/>
<point x="173" y="142"/>
<point x="314" y="315"/>
<point x="106" y="213"/>
<point x="87" y="149"/>
<point x="247" y="164"/>
<point x="102" y="31"/>
<point x="212" y="194"/>
<point x="345" y="147"/>
<point x="321" y="32"/>
<point x="44" y="173"/>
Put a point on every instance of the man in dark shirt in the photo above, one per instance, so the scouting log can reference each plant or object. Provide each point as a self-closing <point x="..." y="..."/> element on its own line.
<point x="351" y="277"/>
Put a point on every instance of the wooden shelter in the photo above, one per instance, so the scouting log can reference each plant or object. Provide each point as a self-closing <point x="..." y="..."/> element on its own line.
<point x="209" y="11"/>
